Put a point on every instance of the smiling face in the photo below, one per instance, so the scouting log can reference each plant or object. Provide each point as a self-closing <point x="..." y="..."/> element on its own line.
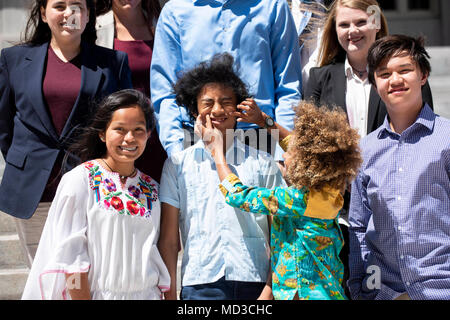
<point x="66" y="19"/>
<point x="399" y="83"/>
<point x="218" y="101"/>
<point x="125" y="137"/>
<point x="354" y="31"/>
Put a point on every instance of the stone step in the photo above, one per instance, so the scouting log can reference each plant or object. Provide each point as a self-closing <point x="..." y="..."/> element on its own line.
<point x="7" y="223"/>
<point x="12" y="283"/>
<point x="11" y="254"/>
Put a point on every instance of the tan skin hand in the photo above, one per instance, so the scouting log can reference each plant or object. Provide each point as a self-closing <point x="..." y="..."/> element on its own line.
<point x="251" y="113"/>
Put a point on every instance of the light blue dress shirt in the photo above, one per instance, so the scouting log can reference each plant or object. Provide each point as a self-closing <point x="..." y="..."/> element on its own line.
<point x="400" y="212"/>
<point x="259" y="34"/>
<point x="218" y="240"/>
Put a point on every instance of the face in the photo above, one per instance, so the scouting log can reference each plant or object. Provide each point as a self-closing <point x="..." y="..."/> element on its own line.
<point x="124" y="4"/>
<point x="354" y="30"/>
<point x="218" y="101"/>
<point x="66" y="19"/>
<point x="399" y="81"/>
<point x="125" y="136"/>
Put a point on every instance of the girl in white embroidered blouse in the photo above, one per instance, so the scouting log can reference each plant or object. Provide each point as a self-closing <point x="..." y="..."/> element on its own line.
<point x="99" y="241"/>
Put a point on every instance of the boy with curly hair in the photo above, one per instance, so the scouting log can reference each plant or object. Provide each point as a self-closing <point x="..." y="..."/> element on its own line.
<point x="225" y="254"/>
<point x="322" y="157"/>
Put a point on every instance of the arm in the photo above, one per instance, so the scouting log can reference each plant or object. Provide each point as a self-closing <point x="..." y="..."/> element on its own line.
<point x="287" y="68"/>
<point x="359" y="216"/>
<point x="286" y="64"/>
<point x="78" y="286"/>
<point x="168" y="245"/>
<point x="7" y="107"/>
<point x="313" y="89"/>
<point x="267" y="294"/>
<point x="166" y="62"/>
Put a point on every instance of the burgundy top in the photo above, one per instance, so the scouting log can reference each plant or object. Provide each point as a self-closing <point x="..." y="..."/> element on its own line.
<point x="61" y="86"/>
<point x="139" y="59"/>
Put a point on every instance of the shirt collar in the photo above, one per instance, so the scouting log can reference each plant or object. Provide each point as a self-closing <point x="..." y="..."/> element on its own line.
<point x="425" y="118"/>
<point x="349" y="70"/>
<point x="237" y="149"/>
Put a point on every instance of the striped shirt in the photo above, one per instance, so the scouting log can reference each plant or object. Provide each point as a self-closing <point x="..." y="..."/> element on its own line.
<point x="400" y="213"/>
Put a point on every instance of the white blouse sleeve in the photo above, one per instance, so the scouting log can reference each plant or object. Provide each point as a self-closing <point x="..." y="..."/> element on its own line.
<point x="63" y="245"/>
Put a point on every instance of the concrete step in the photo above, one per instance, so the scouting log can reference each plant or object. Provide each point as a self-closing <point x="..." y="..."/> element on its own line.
<point x="11" y="254"/>
<point x="440" y="88"/>
<point x="12" y="283"/>
<point x="7" y="223"/>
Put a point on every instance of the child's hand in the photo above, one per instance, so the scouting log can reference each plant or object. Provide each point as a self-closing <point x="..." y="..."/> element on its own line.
<point x="212" y="137"/>
<point x="250" y="113"/>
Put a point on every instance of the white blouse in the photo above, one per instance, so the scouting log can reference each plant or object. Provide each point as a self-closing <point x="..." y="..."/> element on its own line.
<point x="95" y="225"/>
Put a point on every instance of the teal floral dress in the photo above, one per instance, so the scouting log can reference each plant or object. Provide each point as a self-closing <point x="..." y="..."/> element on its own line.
<point x="305" y="237"/>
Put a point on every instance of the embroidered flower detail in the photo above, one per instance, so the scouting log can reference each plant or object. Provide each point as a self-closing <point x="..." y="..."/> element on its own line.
<point x="135" y="192"/>
<point x="133" y="208"/>
<point x="110" y="185"/>
<point x="117" y="203"/>
<point x="142" y="211"/>
<point x="107" y="204"/>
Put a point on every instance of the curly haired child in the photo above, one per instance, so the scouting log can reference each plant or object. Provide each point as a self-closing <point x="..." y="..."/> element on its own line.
<point x="322" y="157"/>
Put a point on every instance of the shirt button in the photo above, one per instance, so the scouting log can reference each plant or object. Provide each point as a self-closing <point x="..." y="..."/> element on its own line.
<point x="399" y="228"/>
<point x="408" y="284"/>
<point x="400" y="169"/>
<point x="402" y="257"/>
<point x="399" y="198"/>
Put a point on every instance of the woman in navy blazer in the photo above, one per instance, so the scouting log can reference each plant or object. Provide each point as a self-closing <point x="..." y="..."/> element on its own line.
<point x="29" y="141"/>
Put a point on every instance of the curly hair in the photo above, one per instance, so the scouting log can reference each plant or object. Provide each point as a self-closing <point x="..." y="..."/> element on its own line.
<point x="324" y="148"/>
<point x="217" y="70"/>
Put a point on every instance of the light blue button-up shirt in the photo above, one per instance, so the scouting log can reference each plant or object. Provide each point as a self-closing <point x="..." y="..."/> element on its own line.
<point x="259" y="34"/>
<point x="218" y="239"/>
<point x="400" y="213"/>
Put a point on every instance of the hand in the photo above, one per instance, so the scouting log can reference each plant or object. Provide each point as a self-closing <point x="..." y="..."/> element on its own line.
<point x="250" y="113"/>
<point x="212" y="137"/>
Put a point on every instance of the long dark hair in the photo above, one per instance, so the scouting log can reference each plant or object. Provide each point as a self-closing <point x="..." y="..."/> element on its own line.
<point x="151" y="9"/>
<point x="89" y="146"/>
<point x="37" y="32"/>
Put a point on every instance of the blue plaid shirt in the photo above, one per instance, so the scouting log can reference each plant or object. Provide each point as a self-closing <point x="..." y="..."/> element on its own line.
<point x="400" y="213"/>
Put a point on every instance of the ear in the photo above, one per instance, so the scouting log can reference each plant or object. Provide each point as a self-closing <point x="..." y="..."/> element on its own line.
<point x="43" y="17"/>
<point x="424" y="79"/>
<point x="101" y="135"/>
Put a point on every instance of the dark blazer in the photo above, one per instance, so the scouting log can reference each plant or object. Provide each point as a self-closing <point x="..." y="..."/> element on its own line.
<point x="328" y="85"/>
<point x="28" y="140"/>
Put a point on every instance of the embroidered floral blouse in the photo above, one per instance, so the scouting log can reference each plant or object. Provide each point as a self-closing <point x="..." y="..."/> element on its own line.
<point x="96" y="225"/>
<point x="305" y="237"/>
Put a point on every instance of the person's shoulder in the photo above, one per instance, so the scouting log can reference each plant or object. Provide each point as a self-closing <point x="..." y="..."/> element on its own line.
<point x="442" y="125"/>
<point x="17" y="52"/>
<point x="146" y="179"/>
<point x="77" y="177"/>
<point x="327" y="69"/>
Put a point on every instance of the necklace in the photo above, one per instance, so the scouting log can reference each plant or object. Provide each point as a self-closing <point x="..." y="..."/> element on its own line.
<point x="121" y="176"/>
<point x="360" y="73"/>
